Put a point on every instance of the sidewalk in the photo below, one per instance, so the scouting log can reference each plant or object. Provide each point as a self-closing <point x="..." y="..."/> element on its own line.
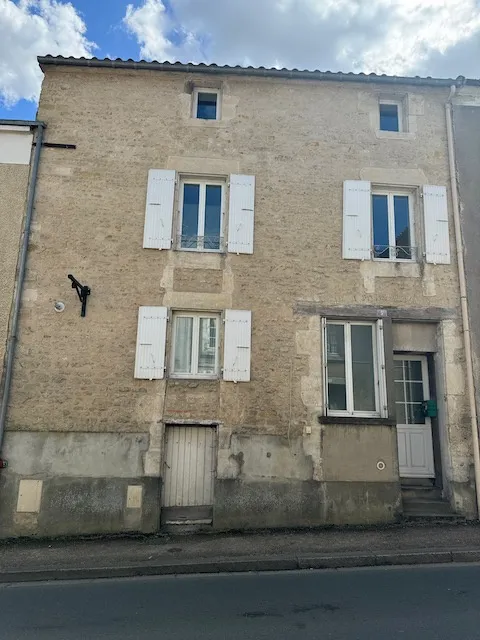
<point x="27" y="560"/>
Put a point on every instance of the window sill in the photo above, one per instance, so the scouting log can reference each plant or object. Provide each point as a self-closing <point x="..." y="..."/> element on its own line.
<point x="395" y="260"/>
<point x="390" y="268"/>
<point x="395" y="135"/>
<point x="186" y="378"/>
<point x="185" y="250"/>
<point x="213" y="124"/>
<point x="352" y="420"/>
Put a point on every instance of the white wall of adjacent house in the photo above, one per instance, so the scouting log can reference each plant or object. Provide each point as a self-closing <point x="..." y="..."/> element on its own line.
<point x="15" y="144"/>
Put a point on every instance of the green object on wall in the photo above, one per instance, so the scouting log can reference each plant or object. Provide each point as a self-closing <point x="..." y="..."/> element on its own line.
<point x="430" y="408"/>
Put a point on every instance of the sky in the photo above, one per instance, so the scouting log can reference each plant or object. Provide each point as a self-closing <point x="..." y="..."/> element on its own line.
<point x="439" y="38"/>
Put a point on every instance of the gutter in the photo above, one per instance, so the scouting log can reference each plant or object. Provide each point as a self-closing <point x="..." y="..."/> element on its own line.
<point x="463" y="295"/>
<point x="22" y="123"/>
<point x="213" y="69"/>
<point x="22" y="263"/>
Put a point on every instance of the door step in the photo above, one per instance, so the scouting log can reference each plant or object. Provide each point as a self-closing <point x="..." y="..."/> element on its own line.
<point x="423" y="503"/>
<point x="421" y="493"/>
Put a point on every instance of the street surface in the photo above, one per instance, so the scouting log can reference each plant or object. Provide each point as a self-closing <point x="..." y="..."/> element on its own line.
<point x="429" y="603"/>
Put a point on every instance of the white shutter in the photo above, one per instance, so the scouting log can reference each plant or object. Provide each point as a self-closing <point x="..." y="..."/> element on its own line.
<point x="151" y="337"/>
<point x="159" y="209"/>
<point x="237" y="345"/>
<point x="435" y="211"/>
<point x="241" y="214"/>
<point x="382" y="382"/>
<point x="357" y="224"/>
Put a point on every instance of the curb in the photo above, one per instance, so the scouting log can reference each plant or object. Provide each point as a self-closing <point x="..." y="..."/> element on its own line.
<point x="265" y="563"/>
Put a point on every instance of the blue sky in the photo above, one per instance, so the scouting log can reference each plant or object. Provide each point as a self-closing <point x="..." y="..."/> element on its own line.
<point x="399" y="37"/>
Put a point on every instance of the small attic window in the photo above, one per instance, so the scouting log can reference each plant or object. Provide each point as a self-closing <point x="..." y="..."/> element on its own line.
<point x="390" y="116"/>
<point x="206" y="104"/>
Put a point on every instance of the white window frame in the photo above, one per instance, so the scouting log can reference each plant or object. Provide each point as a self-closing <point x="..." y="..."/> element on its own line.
<point x="203" y="182"/>
<point x="195" y="345"/>
<point x="390" y="193"/>
<point x="400" y="113"/>
<point x="378" y="369"/>
<point x="198" y="90"/>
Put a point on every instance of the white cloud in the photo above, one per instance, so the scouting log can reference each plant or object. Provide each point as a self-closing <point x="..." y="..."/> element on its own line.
<point x="159" y="36"/>
<point x="436" y="37"/>
<point x="35" y="27"/>
<point x="148" y="24"/>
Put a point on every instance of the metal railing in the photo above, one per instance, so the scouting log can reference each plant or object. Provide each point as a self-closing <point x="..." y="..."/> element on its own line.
<point x="200" y="243"/>
<point x="389" y="252"/>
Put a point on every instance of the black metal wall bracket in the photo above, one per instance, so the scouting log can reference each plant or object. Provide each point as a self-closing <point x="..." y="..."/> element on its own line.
<point x="83" y="292"/>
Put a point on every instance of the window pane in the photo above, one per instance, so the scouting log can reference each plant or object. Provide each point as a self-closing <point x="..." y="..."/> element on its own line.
<point x="398" y="369"/>
<point x="399" y="391"/>
<point x="414" y="391"/>
<point x="207" y="106"/>
<point x="213" y="212"/>
<point x="381" y="247"/>
<point x="400" y="413"/>
<point x="413" y="370"/>
<point x="415" y="413"/>
<point x="183" y="345"/>
<point x="191" y="199"/>
<point x="389" y="117"/>
<point x="337" y="394"/>
<point x="402" y="227"/>
<point x="207" y="345"/>
<point x="362" y="368"/>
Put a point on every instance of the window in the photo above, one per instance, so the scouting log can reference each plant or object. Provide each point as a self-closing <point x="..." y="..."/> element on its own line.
<point x="390" y="116"/>
<point x="201" y="206"/>
<point x="392" y="226"/>
<point x="353" y="378"/>
<point x="206" y="104"/>
<point x="409" y="390"/>
<point x="195" y="345"/>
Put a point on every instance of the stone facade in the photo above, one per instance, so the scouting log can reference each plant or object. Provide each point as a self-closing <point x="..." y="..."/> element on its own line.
<point x="15" y="143"/>
<point x="82" y="425"/>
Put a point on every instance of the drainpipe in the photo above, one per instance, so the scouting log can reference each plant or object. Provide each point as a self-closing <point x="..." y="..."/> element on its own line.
<point x="22" y="263"/>
<point x="463" y="295"/>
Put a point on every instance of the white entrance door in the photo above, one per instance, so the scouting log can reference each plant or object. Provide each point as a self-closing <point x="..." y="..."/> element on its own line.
<point x="189" y="474"/>
<point x="414" y="430"/>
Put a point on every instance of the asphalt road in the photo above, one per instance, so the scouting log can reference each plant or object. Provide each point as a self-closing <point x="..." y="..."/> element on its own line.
<point x="428" y="603"/>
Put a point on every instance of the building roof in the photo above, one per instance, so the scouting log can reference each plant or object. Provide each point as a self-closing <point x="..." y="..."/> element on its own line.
<point x="213" y="69"/>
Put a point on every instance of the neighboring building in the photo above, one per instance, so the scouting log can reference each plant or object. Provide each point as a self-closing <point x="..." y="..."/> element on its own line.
<point x="466" y="120"/>
<point x="274" y="298"/>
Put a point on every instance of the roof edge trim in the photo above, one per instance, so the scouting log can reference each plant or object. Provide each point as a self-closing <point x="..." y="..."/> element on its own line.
<point x="213" y="69"/>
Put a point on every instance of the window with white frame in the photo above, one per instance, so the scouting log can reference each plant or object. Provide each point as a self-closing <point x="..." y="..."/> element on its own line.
<point x="391" y="115"/>
<point x="201" y="215"/>
<point x="195" y="345"/>
<point x="354" y="368"/>
<point x="206" y="104"/>
<point x="392" y="225"/>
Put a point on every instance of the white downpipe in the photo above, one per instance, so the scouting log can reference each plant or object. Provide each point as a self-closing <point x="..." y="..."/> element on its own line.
<point x="463" y="295"/>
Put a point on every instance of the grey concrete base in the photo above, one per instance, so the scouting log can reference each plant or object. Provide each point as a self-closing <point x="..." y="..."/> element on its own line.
<point x="84" y="480"/>
<point x="269" y="504"/>
<point x="78" y="506"/>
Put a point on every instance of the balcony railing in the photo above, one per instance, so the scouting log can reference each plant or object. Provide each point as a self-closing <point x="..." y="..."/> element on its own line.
<point x="389" y="252"/>
<point x="200" y="243"/>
